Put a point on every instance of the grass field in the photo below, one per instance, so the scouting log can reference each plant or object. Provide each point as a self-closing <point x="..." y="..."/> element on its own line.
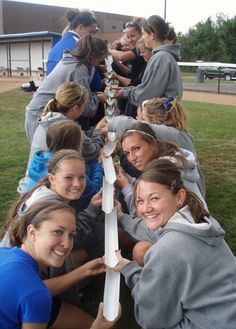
<point x="213" y="128"/>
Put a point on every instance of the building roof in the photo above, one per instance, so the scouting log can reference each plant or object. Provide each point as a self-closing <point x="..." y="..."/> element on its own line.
<point x="30" y="35"/>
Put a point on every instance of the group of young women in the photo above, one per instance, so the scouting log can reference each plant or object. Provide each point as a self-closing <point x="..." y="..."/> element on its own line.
<point x="181" y="274"/>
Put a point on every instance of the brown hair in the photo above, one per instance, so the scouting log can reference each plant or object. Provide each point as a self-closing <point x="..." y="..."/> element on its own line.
<point x="174" y="116"/>
<point x="166" y="173"/>
<point x="53" y="165"/>
<point x="162" y="30"/>
<point x="64" y="134"/>
<point x="88" y="49"/>
<point x="67" y="95"/>
<point x="36" y="215"/>
<point x="146" y="133"/>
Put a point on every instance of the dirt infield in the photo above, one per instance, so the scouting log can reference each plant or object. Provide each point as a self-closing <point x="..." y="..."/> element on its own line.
<point x="7" y="84"/>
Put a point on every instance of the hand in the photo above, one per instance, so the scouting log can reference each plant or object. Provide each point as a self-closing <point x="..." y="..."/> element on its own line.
<point x="118" y="91"/>
<point x="102" y="125"/>
<point x="118" y="209"/>
<point x="101" y="323"/>
<point x="122" y="262"/>
<point x="97" y="198"/>
<point x="94" y="267"/>
<point x="101" y="97"/>
<point x="121" y="179"/>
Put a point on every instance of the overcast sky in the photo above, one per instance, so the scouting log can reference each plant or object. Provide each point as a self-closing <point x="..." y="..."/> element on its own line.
<point x="182" y="14"/>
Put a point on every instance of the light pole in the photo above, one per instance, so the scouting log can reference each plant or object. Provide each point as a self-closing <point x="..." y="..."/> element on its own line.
<point x="165" y="10"/>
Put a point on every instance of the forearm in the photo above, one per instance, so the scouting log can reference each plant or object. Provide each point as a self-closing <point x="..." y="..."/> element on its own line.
<point x="63" y="282"/>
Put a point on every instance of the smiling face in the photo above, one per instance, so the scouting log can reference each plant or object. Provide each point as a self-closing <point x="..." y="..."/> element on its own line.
<point x="53" y="240"/>
<point x="155" y="203"/>
<point x="132" y="36"/>
<point x="69" y="180"/>
<point x="138" y="151"/>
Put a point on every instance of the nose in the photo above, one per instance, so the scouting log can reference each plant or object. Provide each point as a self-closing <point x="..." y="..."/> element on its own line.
<point x="77" y="182"/>
<point x="132" y="156"/>
<point x="146" y="206"/>
<point x="66" y="242"/>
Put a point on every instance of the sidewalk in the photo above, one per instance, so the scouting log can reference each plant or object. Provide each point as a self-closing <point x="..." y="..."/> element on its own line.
<point x="7" y="84"/>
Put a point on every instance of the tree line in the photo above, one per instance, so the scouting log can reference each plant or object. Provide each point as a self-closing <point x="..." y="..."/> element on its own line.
<point x="210" y="41"/>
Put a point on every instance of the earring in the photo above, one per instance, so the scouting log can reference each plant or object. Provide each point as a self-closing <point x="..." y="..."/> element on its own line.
<point x="179" y="205"/>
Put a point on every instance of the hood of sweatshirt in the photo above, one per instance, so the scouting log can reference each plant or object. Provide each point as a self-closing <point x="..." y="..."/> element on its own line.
<point x="188" y="171"/>
<point x="38" y="166"/>
<point x="209" y="232"/>
<point x="172" y="49"/>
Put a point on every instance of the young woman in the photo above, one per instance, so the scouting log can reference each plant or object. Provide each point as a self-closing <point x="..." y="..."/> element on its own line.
<point x="168" y="120"/>
<point x="80" y="23"/>
<point x="65" y="134"/>
<point x="162" y="75"/>
<point x="68" y="103"/>
<point x="43" y="237"/>
<point x="66" y="181"/>
<point x="76" y="66"/>
<point x="189" y="275"/>
<point x="141" y="146"/>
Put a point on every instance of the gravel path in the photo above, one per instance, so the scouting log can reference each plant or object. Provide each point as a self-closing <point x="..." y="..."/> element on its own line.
<point x="7" y="84"/>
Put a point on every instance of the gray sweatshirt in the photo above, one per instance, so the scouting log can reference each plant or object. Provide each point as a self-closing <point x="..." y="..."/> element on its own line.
<point x="85" y="219"/>
<point x="90" y="148"/>
<point x="66" y="70"/>
<point x="189" y="175"/>
<point x="184" y="139"/>
<point x="188" y="279"/>
<point x="161" y="77"/>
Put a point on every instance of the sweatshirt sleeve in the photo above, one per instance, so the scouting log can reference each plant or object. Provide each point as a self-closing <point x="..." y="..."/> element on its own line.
<point x="137" y="228"/>
<point x="92" y="145"/>
<point x="84" y="223"/>
<point x="154" y="81"/>
<point x="157" y="289"/>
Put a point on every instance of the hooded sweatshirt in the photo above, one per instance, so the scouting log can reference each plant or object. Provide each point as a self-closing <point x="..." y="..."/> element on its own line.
<point x="161" y="77"/>
<point x="90" y="148"/>
<point x="189" y="175"/>
<point x="66" y="70"/>
<point x="85" y="219"/>
<point x="184" y="139"/>
<point x="94" y="177"/>
<point x="189" y="276"/>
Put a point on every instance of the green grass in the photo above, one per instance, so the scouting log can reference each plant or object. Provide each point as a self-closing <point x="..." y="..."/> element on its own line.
<point x="213" y="128"/>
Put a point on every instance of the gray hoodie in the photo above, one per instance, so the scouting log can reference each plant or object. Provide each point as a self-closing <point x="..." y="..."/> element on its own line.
<point x="120" y="124"/>
<point x="188" y="279"/>
<point x="161" y="77"/>
<point x="189" y="175"/>
<point x="85" y="219"/>
<point x="66" y="70"/>
<point x="90" y="148"/>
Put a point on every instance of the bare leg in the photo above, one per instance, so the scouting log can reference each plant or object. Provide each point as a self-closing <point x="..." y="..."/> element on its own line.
<point x="140" y="250"/>
<point x="72" y="317"/>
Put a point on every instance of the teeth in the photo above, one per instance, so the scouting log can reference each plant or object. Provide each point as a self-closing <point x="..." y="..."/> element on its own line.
<point x="59" y="253"/>
<point x="151" y="216"/>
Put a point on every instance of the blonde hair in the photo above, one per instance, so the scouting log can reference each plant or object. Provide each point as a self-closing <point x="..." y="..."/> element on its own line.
<point x="67" y="95"/>
<point x="174" y="116"/>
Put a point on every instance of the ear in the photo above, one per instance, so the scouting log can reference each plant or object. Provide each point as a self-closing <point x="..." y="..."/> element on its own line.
<point x="181" y="196"/>
<point x="31" y="232"/>
<point x="51" y="179"/>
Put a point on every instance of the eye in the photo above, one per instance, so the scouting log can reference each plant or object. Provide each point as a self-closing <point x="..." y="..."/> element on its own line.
<point x="68" y="178"/>
<point x="154" y="198"/>
<point x="136" y="148"/>
<point x="72" y="236"/>
<point x="58" y="232"/>
<point x="82" y="178"/>
<point x="139" y="202"/>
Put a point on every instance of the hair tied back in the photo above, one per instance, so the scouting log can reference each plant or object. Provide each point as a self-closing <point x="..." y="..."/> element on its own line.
<point x="167" y="104"/>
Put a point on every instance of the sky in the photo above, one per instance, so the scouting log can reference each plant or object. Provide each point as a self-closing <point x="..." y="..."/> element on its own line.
<point x="182" y="14"/>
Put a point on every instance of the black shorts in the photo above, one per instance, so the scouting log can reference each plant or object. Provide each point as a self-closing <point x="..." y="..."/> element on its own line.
<point x="56" y="305"/>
